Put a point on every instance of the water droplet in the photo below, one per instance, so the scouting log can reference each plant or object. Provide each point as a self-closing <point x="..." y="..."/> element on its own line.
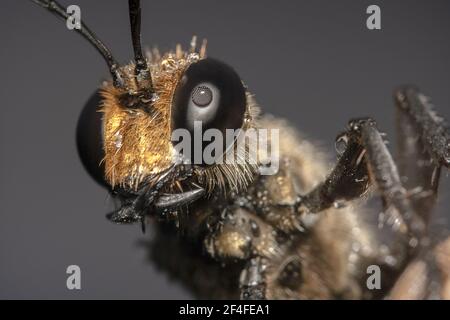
<point x="118" y="140"/>
<point x="308" y="220"/>
<point x="390" y="260"/>
<point x="381" y="220"/>
<point x="255" y="228"/>
<point x="341" y="143"/>
<point x="356" y="247"/>
<point x="413" y="242"/>
<point x="384" y="250"/>
<point x="339" y="204"/>
<point x="353" y="257"/>
<point x="155" y="97"/>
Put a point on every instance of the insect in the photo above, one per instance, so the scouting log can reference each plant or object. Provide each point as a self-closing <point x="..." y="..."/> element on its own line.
<point x="297" y="234"/>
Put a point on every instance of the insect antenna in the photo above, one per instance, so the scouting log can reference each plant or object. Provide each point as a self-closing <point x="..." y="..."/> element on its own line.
<point x="142" y="73"/>
<point x="58" y="10"/>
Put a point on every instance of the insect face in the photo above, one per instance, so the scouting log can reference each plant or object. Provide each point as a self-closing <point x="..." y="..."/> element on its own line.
<point x="137" y="124"/>
<point x="187" y="90"/>
<point x="146" y="102"/>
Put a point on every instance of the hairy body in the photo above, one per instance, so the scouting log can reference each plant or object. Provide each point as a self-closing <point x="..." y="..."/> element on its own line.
<point x="285" y="235"/>
<point x="326" y="257"/>
<point x="210" y="246"/>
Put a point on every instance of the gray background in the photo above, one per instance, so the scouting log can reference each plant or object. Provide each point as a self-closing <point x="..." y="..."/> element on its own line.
<point x="313" y="62"/>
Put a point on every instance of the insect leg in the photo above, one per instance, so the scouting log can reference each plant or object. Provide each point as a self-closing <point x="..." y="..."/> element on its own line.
<point x="241" y="236"/>
<point x="252" y="281"/>
<point x="348" y="179"/>
<point x="424" y="147"/>
<point x="232" y="237"/>
<point x="366" y="154"/>
<point x="384" y="174"/>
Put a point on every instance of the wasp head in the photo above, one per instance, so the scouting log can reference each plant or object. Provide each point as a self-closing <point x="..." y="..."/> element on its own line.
<point x="140" y="154"/>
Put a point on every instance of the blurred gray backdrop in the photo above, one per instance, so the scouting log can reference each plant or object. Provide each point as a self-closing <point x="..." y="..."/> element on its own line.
<point x="313" y="62"/>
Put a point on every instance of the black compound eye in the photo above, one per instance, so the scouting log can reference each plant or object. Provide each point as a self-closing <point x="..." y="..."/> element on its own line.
<point x="210" y="95"/>
<point x="209" y="92"/>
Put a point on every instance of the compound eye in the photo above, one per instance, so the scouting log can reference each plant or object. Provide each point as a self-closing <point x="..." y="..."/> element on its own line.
<point x="209" y="93"/>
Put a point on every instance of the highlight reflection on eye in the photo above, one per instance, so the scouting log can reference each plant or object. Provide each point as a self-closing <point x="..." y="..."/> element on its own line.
<point x="204" y="104"/>
<point x="202" y="96"/>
